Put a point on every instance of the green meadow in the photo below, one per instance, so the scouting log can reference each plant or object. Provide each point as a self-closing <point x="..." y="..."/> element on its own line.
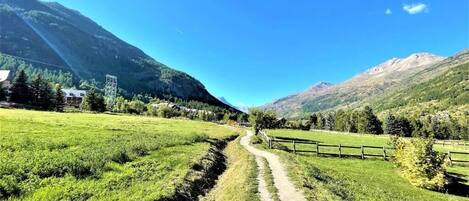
<point x="333" y="178"/>
<point x="78" y="156"/>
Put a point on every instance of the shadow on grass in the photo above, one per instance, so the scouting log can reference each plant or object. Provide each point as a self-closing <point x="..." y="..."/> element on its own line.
<point x="457" y="185"/>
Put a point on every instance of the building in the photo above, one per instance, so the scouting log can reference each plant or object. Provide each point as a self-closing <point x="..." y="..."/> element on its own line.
<point x="6" y="78"/>
<point x="74" y="97"/>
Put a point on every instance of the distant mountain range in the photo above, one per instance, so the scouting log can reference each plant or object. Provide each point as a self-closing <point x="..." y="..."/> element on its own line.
<point x="380" y="85"/>
<point x="50" y="36"/>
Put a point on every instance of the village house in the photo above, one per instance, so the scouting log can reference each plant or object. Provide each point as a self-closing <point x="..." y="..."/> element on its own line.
<point x="6" y="78"/>
<point x="74" y="97"/>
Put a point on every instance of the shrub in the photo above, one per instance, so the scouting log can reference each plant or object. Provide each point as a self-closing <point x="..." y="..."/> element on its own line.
<point x="419" y="164"/>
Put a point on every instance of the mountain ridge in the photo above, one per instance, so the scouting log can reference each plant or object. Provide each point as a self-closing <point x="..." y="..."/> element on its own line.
<point x="386" y="76"/>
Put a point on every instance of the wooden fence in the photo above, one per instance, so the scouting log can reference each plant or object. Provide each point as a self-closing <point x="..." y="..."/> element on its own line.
<point x="453" y="160"/>
<point x="315" y="147"/>
<point x="337" y="148"/>
<point x="457" y="143"/>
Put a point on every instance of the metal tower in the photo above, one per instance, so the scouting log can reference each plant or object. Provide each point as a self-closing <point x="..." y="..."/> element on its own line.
<point x="110" y="91"/>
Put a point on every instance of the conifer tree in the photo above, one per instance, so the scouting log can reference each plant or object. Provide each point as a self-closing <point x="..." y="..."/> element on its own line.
<point x="93" y="102"/>
<point x="59" y="98"/>
<point x="369" y="122"/>
<point x="3" y="94"/>
<point x="20" y="89"/>
<point x="41" y="93"/>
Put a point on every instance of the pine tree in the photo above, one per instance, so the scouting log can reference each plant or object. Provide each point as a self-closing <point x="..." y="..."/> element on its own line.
<point x="369" y="122"/>
<point x="41" y="93"/>
<point x="313" y="120"/>
<point x="20" y="89"/>
<point x="391" y="125"/>
<point x="3" y="94"/>
<point x="59" y="98"/>
<point x="93" y="102"/>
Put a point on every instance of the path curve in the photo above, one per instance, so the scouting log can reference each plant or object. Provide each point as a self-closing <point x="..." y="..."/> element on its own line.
<point x="286" y="189"/>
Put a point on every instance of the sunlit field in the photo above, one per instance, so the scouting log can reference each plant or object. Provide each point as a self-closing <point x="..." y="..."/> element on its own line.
<point x="77" y="156"/>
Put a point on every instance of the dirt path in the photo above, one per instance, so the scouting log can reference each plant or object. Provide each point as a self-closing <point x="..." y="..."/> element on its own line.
<point x="286" y="189"/>
<point x="264" y="193"/>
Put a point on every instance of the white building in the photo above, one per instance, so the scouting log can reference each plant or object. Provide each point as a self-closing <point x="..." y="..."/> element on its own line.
<point x="6" y="78"/>
<point x="74" y="97"/>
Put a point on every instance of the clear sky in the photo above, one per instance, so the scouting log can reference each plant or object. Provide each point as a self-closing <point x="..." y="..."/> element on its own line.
<point x="252" y="52"/>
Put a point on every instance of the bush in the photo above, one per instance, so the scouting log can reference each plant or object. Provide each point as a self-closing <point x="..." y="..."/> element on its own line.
<point x="419" y="164"/>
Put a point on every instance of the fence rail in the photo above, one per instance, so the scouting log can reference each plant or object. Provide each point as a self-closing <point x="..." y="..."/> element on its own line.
<point x="452" y="160"/>
<point x="316" y="148"/>
<point x="463" y="144"/>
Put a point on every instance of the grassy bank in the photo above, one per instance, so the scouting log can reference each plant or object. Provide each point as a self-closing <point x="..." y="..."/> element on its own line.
<point x="59" y="156"/>
<point x="239" y="180"/>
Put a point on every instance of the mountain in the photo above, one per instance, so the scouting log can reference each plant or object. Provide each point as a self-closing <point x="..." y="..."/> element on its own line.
<point x="47" y="35"/>
<point x="295" y="101"/>
<point x="396" y="74"/>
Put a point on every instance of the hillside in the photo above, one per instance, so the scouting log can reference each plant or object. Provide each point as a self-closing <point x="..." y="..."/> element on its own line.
<point x="367" y="87"/>
<point x="50" y="36"/>
<point x="446" y="92"/>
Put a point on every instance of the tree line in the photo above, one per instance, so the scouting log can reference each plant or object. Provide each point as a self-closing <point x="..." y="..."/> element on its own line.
<point x="439" y="126"/>
<point x="38" y="93"/>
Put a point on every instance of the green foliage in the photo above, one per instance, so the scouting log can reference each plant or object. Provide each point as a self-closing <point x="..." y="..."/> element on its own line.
<point x="20" y="91"/>
<point x="41" y="94"/>
<point x="59" y="98"/>
<point x="93" y="102"/>
<point x="167" y="112"/>
<point x="398" y="126"/>
<point x="369" y="122"/>
<point x="51" y="74"/>
<point x="419" y="164"/>
<point x="261" y="119"/>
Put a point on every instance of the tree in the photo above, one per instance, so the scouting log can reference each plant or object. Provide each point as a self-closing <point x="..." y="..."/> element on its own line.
<point x="3" y="94"/>
<point x="352" y="121"/>
<point x="313" y="119"/>
<point x="398" y="126"/>
<point x="20" y="92"/>
<point x="261" y="119"/>
<point x="390" y="125"/>
<point x="329" y="121"/>
<point x="369" y="122"/>
<point x="59" y="98"/>
<point x="419" y="163"/>
<point x="41" y="93"/>
<point x="321" y="121"/>
<point x="93" y="102"/>
<point x="341" y="120"/>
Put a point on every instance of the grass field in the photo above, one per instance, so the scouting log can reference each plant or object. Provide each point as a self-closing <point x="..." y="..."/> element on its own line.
<point x="332" y="178"/>
<point x="77" y="156"/>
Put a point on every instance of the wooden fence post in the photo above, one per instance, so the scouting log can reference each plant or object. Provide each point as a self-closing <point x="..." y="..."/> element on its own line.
<point x="270" y="143"/>
<point x="317" y="148"/>
<point x="363" y="152"/>
<point x="449" y="157"/>
<point x="384" y="153"/>
<point x="340" y="151"/>
<point x="294" y="147"/>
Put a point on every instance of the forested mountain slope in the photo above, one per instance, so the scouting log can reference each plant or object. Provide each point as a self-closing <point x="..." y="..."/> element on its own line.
<point x="49" y="36"/>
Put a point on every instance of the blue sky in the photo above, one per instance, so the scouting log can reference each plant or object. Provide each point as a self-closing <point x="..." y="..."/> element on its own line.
<point x="252" y="52"/>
